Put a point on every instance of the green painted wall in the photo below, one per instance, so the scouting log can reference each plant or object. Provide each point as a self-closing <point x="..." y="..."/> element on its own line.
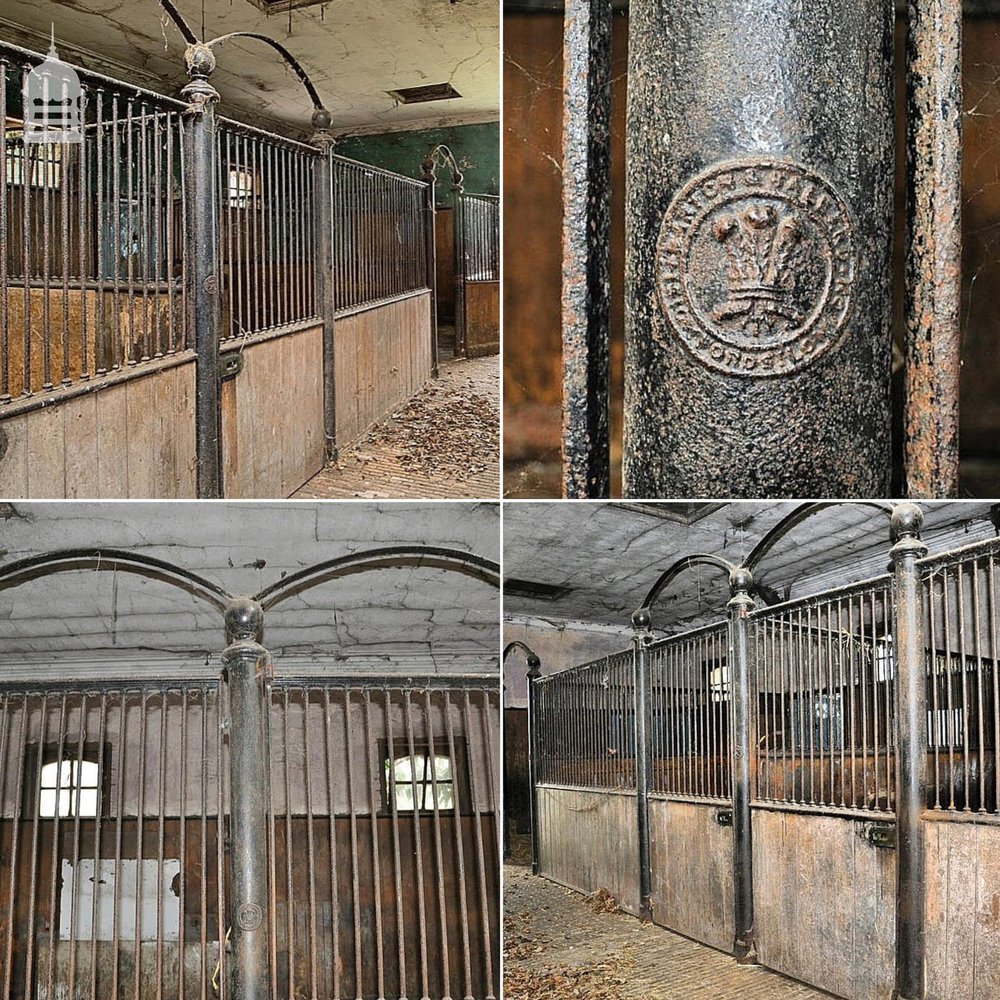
<point x="476" y="147"/>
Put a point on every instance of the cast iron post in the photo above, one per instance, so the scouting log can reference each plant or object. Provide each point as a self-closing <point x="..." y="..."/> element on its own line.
<point x="430" y="251"/>
<point x="246" y="668"/>
<point x="534" y="672"/>
<point x="201" y="280"/>
<point x="740" y="606"/>
<point x="758" y="257"/>
<point x="640" y="640"/>
<point x="458" y="237"/>
<point x="323" y="140"/>
<point x="911" y="722"/>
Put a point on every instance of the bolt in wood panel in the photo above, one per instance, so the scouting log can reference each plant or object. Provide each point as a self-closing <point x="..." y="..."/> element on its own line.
<point x="691" y="862"/>
<point x="589" y="841"/>
<point x="824" y="903"/>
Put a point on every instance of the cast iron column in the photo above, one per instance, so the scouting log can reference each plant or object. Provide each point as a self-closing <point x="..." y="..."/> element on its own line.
<point x="759" y="223"/>
<point x="458" y="241"/>
<point x="740" y="606"/>
<point x="323" y="194"/>
<point x="430" y="252"/>
<point x="911" y="722"/>
<point x="246" y="668"/>
<point x="640" y="640"/>
<point x="201" y="282"/>
<point x="534" y="672"/>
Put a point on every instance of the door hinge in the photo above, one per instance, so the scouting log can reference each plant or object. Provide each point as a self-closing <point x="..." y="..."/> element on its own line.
<point x="724" y="817"/>
<point x="231" y="365"/>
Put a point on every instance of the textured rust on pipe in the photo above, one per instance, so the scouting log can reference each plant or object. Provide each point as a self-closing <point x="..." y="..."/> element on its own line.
<point x="934" y="247"/>
<point x="758" y="225"/>
<point x="586" y="247"/>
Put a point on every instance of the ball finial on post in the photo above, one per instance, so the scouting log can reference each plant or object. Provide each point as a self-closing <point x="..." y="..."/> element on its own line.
<point x="244" y="620"/>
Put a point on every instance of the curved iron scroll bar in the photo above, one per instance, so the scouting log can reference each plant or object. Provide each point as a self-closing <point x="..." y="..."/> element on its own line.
<point x="761" y="549"/>
<point x="120" y="560"/>
<point x="116" y="560"/>
<point x="530" y="656"/>
<point x="441" y="155"/>
<point x="296" y="67"/>
<point x="796" y="517"/>
<point x="688" y="562"/>
<point x="453" y="560"/>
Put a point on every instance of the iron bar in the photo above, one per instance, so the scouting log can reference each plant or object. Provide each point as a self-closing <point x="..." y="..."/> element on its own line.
<point x="933" y="247"/>
<point x="911" y="721"/>
<point x="643" y="748"/>
<point x="325" y="289"/>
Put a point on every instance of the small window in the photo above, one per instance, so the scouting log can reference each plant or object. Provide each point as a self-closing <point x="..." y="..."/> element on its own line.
<point x="409" y="783"/>
<point x="241" y="188"/>
<point x="69" y="788"/>
<point x="413" y="780"/>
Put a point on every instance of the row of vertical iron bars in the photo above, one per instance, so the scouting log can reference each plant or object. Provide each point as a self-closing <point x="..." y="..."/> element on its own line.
<point x="479" y="233"/>
<point x="823" y="726"/>
<point x="349" y="917"/>
<point x="92" y="235"/>
<point x="933" y="247"/>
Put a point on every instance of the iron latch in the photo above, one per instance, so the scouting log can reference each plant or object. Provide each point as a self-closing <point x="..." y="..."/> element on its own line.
<point x="231" y="366"/>
<point x="724" y="817"/>
<point x="879" y="835"/>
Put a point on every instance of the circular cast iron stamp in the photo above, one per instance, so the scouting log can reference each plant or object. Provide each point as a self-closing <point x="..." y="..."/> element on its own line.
<point x="249" y="917"/>
<point x="755" y="266"/>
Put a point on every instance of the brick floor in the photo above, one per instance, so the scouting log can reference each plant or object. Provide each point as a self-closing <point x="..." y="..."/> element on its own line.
<point x="555" y="928"/>
<point x="372" y="469"/>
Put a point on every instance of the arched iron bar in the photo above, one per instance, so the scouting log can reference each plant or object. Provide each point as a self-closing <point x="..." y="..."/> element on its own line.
<point x="688" y="562"/>
<point x="441" y="155"/>
<point x="116" y="560"/>
<point x="796" y="517"/>
<point x="451" y="560"/>
<point x="530" y="656"/>
<point x="295" y="65"/>
<point x="192" y="39"/>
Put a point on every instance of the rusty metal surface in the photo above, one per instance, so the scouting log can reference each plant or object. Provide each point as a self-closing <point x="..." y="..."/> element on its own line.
<point x="586" y="276"/>
<point x="934" y="247"/>
<point x="758" y="214"/>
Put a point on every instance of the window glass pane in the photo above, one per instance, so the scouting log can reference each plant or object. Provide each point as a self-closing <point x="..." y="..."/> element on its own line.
<point x="87" y="804"/>
<point x="88" y="774"/>
<point x="446" y="796"/>
<point x="404" y="797"/>
<point x="47" y="802"/>
<point x="442" y="767"/>
<point x="403" y="771"/>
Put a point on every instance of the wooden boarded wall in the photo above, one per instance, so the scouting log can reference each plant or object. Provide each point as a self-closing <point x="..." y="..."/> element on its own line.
<point x="482" y="318"/>
<point x="133" y="438"/>
<point x="272" y="416"/>
<point x="588" y="841"/>
<point x="691" y="862"/>
<point x="383" y="356"/>
<point x="963" y="911"/>
<point x="824" y="903"/>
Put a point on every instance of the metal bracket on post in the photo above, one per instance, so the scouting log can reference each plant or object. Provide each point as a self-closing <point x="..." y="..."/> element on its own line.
<point x="740" y="606"/>
<point x="200" y="268"/>
<point x="430" y="251"/>
<point x="911" y="722"/>
<point x="640" y="640"/>
<point x="323" y="141"/>
<point x="534" y="672"/>
<point x="247" y="668"/>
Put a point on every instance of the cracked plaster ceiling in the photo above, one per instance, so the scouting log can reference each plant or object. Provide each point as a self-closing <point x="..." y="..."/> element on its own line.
<point x="610" y="555"/>
<point x="382" y="618"/>
<point x="354" y="52"/>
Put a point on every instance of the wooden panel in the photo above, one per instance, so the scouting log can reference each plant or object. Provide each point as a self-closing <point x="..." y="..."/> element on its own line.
<point x="382" y="358"/>
<point x="445" y="249"/>
<point x="272" y="417"/>
<point x="691" y="861"/>
<point x="824" y="903"/>
<point x="131" y="439"/>
<point x="588" y="841"/>
<point x="482" y="318"/>
<point x="963" y="911"/>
